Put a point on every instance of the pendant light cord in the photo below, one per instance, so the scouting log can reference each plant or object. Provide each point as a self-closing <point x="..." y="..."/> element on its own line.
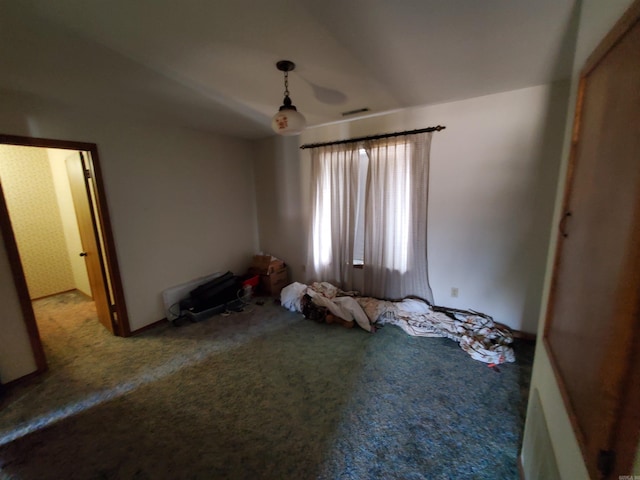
<point x="286" y="84"/>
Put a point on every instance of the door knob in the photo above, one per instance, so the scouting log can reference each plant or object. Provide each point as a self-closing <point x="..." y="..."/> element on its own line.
<point x="83" y="254"/>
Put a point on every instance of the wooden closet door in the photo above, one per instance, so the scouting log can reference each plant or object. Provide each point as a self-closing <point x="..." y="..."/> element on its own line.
<point x="592" y="324"/>
<point x="88" y="227"/>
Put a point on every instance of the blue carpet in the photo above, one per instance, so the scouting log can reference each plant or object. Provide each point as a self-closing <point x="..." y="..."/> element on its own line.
<point x="266" y="394"/>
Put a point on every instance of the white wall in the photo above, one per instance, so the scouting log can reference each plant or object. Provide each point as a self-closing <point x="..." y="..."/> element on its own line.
<point x="596" y="19"/>
<point x="181" y="202"/>
<point x="281" y="203"/>
<point x="493" y="178"/>
<point x="57" y="158"/>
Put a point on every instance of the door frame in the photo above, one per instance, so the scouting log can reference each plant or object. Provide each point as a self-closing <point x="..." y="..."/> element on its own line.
<point x="110" y="264"/>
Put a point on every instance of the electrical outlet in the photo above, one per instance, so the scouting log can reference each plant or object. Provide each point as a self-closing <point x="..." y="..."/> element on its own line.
<point x="454" y="292"/>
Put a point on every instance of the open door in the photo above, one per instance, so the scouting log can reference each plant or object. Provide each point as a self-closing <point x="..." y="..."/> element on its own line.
<point x="90" y="235"/>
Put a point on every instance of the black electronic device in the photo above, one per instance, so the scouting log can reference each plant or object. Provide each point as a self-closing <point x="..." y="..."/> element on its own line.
<point x="215" y="293"/>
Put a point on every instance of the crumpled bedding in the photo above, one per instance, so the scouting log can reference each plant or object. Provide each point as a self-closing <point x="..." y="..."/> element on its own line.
<point x="326" y="295"/>
<point x="477" y="333"/>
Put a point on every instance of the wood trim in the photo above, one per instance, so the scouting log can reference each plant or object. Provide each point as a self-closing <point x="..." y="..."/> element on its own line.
<point x="622" y="26"/>
<point x="21" y="285"/>
<point x="44" y="142"/>
<point x="109" y="245"/>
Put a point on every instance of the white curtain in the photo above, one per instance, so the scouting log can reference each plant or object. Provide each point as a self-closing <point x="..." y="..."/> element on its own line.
<point x="369" y="206"/>
<point x="334" y="190"/>
<point x="395" y="247"/>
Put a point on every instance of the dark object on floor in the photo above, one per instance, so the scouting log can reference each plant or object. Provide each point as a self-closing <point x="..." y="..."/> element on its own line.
<point x="179" y="321"/>
<point x="321" y="314"/>
<point x="312" y="311"/>
<point x="213" y="295"/>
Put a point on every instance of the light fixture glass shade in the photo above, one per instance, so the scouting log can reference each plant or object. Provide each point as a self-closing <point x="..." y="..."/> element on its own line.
<point x="288" y="121"/>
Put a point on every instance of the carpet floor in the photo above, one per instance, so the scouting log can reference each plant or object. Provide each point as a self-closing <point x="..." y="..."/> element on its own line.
<point x="261" y="394"/>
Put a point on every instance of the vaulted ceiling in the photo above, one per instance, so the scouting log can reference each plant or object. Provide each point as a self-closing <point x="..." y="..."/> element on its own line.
<point x="210" y="64"/>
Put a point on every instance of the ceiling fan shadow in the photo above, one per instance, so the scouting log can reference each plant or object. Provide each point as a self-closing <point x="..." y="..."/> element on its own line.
<point x="326" y="95"/>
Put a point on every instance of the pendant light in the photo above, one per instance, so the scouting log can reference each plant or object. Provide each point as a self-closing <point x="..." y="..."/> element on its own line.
<point x="288" y="121"/>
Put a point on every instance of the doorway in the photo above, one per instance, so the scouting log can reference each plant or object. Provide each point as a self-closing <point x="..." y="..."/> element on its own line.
<point x="55" y="222"/>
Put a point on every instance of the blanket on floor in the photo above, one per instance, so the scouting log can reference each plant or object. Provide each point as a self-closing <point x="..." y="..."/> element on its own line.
<point x="477" y="333"/>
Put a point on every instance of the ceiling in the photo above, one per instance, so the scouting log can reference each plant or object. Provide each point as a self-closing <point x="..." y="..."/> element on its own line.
<point x="210" y="65"/>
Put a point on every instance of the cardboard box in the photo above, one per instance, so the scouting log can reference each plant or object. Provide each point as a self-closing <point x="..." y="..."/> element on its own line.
<point x="272" y="284"/>
<point x="265" y="265"/>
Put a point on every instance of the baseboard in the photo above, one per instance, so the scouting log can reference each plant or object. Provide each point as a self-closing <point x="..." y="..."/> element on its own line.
<point x="529" y="337"/>
<point x="56" y="293"/>
<point x="23" y="379"/>
<point x="148" y="327"/>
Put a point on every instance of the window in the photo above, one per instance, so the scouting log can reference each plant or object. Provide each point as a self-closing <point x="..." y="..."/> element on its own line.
<point x="369" y="208"/>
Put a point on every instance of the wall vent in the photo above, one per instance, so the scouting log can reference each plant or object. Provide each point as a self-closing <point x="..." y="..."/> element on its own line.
<point x="353" y="112"/>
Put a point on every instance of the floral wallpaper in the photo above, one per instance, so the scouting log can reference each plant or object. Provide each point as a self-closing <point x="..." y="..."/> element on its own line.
<point x="29" y="191"/>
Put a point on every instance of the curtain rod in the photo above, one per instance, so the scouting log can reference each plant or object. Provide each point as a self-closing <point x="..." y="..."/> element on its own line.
<point x="373" y="137"/>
